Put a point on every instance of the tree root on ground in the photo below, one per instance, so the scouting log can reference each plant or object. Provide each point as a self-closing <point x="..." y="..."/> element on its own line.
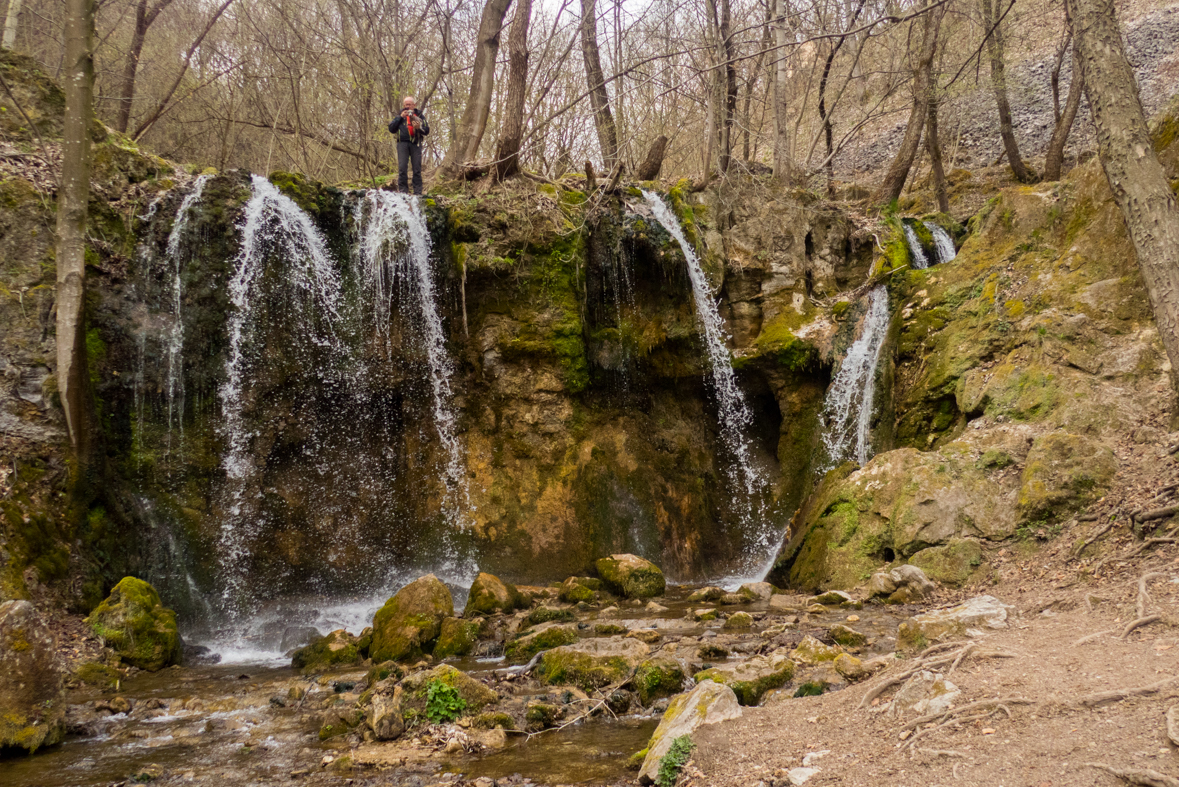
<point x="1145" y="777"/>
<point x="1117" y="695"/>
<point x="1091" y="637"/>
<point x="929" y="659"/>
<point x="1173" y="724"/>
<point x="998" y="702"/>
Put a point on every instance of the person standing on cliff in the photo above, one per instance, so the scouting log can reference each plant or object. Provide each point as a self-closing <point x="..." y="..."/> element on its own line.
<point x="409" y="128"/>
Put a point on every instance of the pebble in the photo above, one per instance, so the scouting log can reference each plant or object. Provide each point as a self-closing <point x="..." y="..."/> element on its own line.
<point x="853" y="618"/>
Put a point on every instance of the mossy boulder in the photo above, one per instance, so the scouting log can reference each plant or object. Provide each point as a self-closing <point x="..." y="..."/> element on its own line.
<point x="811" y="651"/>
<point x="1063" y="473"/>
<point x="542" y="715"/>
<point x="631" y="576"/>
<point x="490" y="595"/>
<point x="336" y="649"/>
<point x="543" y="637"/>
<point x="739" y="620"/>
<point x="709" y="703"/>
<point x="706" y="595"/>
<point x="658" y="678"/>
<point x="847" y="636"/>
<point x="591" y="664"/>
<point x="409" y="623"/>
<point x="457" y="638"/>
<point x="952" y="563"/>
<point x="32" y="689"/>
<point x="137" y="626"/>
<point x="575" y="590"/>
<point x="476" y="694"/>
<point x="547" y="614"/>
<point x="493" y="721"/>
<point x="750" y="680"/>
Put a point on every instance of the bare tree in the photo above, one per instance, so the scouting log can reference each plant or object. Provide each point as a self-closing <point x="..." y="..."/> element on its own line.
<point x="783" y="170"/>
<point x="470" y="130"/>
<point x="653" y="161"/>
<point x="933" y="146"/>
<point x="11" y="20"/>
<point x="1054" y="157"/>
<point x="599" y="98"/>
<point x="144" y="17"/>
<point x="507" y="149"/>
<point x="1136" y="177"/>
<point x="993" y="22"/>
<point x="73" y="378"/>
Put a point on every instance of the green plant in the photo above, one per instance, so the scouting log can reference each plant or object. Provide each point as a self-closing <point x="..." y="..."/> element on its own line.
<point x="443" y="703"/>
<point x="811" y="689"/>
<point x="674" y="761"/>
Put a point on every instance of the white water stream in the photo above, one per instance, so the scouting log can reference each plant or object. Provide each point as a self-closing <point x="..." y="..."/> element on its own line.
<point x="916" y="253"/>
<point x="942" y="242"/>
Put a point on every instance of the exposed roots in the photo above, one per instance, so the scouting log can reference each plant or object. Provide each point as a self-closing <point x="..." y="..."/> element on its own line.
<point x="999" y="702"/>
<point x="1145" y="776"/>
<point x="931" y="658"/>
<point x="1173" y="724"/>
<point x="1142" y="621"/>
<point x="1091" y="637"/>
<point x="1117" y="695"/>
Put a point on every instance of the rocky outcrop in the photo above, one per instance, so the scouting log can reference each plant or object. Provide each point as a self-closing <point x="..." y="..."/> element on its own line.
<point x="409" y="623"/>
<point x="631" y="576"/>
<point x="709" y="703"/>
<point x="32" y="687"/>
<point x="133" y="621"/>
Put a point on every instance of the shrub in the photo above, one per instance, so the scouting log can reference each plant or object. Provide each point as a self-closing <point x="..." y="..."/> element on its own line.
<point x="443" y="703"/>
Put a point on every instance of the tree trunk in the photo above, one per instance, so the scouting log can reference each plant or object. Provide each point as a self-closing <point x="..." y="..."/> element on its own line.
<point x="1136" y="177"/>
<point x="11" y="20"/>
<point x="599" y="98"/>
<point x="1054" y="157"/>
<point x="649" y="169"/>
<point x="507" y="149"/>
<point x="824" y="115"/>
<point x="474" y="120"/>
<point x="933" y="144"/>
<point x="995" y="47"/>
<point x="782" y="166"/>
<point x="898" y="170"/>
<point x="752" y="83"/>
<point x="726" y="77"/>
<point x="73" y="377"/>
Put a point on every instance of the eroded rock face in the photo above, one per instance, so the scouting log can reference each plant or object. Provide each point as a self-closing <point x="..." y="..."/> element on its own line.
<point x="709" y="703"/>
<point x="134" y="622"/>
<point x="32" y="688"/>
<point x="631" y="576"/>
<point x="409" y="623"/>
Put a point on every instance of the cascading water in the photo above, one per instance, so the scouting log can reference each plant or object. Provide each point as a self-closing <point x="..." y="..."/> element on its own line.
<point x="733" y="412"/>
<point x="847" y="409"/>
<point x="272" y="224"/>
<point x="916" y="253"/>
<point x="174" y="385"/>
<point x="395" y="244"/>
<point x="943" y="244"/>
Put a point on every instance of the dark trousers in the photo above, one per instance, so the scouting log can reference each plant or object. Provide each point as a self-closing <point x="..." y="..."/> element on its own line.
<point x="406" y="152"/>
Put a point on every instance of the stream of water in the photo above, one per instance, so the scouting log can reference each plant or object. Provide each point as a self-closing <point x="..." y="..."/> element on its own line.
<point x="916" y="252"/>
<point x="942" y="242"/>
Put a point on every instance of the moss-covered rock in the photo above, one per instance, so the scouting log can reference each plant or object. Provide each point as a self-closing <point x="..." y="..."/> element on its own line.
<point x="591" y="664"/>
<point x="575" y="590"/>
<point x="493" y="721"/>
<point x="631" y="576"/>
<point x="709" y="703"/>
<point x="101" y="676"/>
<point x="409" y="623"/>
<point x="490" y="595"/>
<point x="1064" y="472"/>
<point x="336" y="649"/>
<point x="847" y="636"/>
<point x="706" y="595"/>
<point x="458" y="637"/>
<point x="751" y="679"/>
<point x="543" y="637"/>
<point x="547" y="614"/>
<point x="133" y="621"/>
<point x="32" y="690"/>
<point x="658" y="678"/>
<point x="811" y="651"/>
<point x="952" y="563"/>
<point x="738" y="620"/>
<point x="542" y="715"/>
<point x="475" y="694"/>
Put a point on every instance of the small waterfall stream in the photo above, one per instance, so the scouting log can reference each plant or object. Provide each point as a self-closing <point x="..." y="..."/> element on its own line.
<point x="733" y="413"/>
<point x="942" y="242"/>
<point x="847" y="409"/>
<point x="916" y="253"/>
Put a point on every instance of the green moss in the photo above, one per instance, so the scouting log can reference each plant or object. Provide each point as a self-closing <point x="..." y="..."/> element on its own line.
<point x="564" y="667"/>
<point x="134" y="623"/>
<point x="610" y="630"/>
<point x="458" y="638"/>
<point x="492" y="721"/>
<point x="98" y="675"/>
<point x="543" y="614"/>
<point x="749" y="691"/>
<point x="656" y="679"/>
<point x="528" y="645"/>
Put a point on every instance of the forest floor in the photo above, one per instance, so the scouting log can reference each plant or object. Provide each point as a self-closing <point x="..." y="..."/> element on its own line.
<point x="1069" y="693"/>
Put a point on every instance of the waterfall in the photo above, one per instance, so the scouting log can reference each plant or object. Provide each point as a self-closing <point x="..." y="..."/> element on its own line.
<point x="395" y="244"/>
<point x="174" y="385"/>
<point x="943" y="244"/>
<point x="916" y="253"/>
<point x="847" y="409"/>
<point x="733" y="412"/>
<point x="272" y="224"/>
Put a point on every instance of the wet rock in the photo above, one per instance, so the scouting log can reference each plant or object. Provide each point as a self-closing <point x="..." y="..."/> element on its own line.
<point x="457" y="638"/>
<point x="658" y="678"/>
<point x="493" y="739"/>
<point x="137" y="626"/>
<point x="730" y="599"/>
<point x="592" y="663"/>
<point x="494" y="720"/>
<point x="781" y="603"/>
<point x="811" y="651"/>
<point x="540" y="715"/>
<point x="967" y="619"/>
<point x="709" y="703"/>
<point x="952" y="563"/>
<point x="292" y="637"/>
<point x="575" y="591"/>
<point x="750" y="680"/>
<point x="706" y="595"/>
<point x="655" y="607"/>
<point x="832" y="598"/>
<point x="544" y="637"/>
<point x="386" y="716"/>
<point x="757" y="591"/>
<point x="701" y="615"/>
<point x="847" y="636"/>
<point x="332" y="650"/>
<point x="739" y="620"/>
<point x="407" y="626"/>
<point x="631" y="576"/>
<point x="475" y="694"/>
<point x="116" y="704"/>
<point x="547" y="614"/>
<point x="925" y="692"/>
<point x="32" y="683"/>
<point x="339" y="720"/>
<point x="490" y="595"/>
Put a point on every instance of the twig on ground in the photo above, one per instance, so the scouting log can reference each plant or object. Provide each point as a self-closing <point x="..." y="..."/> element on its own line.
<point x="1145" y="777"/>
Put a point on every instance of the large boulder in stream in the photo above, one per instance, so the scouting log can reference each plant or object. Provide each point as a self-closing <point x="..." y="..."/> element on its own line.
<point x="631" y="576"/>
<point x="135" y="623"/>
<point x="410" y="622"/>
<point x="708" y="703"/>
<point x="592" y="663"/>
<point x="336" y="649"/>
<point x="750" y="680"/>
<point x="489" y="595"/>
<point x="32" y="690"/>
